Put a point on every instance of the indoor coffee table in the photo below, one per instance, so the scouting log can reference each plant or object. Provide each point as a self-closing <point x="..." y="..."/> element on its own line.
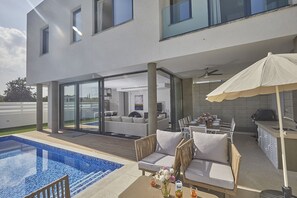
<point x="141" y="188"/>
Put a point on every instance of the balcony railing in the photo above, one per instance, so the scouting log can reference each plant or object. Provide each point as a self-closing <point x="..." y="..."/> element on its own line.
<point x="190" y="15"/>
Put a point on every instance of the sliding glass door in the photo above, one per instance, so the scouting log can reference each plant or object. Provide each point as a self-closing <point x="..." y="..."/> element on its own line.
<point x="89" y="106"/>
<point x="69" y="107"/>
<point x="81" y="106"/>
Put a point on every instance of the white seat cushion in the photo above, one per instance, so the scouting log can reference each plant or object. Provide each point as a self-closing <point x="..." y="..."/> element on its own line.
<point x="212" y="173"/>
<point x="153" y="158"/>
<point x="138" y="120"/>
<point x="116" y="118"/>
<point x="127" y="119"/>
<point x="213" y="147"/>
<point x="167" y="142"/>
<point x="156" y="161"/>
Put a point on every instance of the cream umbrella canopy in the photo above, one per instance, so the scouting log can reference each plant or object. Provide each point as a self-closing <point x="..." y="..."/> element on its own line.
<point x="272" y="74"/>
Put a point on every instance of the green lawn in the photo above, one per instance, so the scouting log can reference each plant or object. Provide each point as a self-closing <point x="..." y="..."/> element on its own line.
<point x="16" y="130"/>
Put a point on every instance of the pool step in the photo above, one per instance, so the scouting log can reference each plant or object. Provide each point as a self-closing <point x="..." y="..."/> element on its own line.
<point x="89" y="179"/>
<point x="82" y="179"/>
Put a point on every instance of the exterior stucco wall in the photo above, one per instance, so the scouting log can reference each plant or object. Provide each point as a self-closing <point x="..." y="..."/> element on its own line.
<point x="134" y="43"/>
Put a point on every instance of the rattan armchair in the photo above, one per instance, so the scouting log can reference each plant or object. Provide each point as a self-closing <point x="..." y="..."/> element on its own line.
<point x="147" y="146"/>
<point x="185" y="152"/>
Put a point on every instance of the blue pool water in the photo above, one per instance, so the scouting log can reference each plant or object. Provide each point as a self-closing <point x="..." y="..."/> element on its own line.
<point x="26" y="166"/>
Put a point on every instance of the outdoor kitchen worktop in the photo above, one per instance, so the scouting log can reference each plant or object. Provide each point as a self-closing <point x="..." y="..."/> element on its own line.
<point x="269" y="142"/>
<point x="270" y="125"/>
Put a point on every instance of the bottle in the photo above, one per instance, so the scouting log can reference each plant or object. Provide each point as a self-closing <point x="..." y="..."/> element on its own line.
<point x="178" y="189"/>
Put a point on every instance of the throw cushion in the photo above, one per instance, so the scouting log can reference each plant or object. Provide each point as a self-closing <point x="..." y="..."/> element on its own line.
<point x="138" y="120"/>
<point x="116" y="118"/>
<point x="162" y="116"/>
<point x="127" y="119"/>
<point x="212" y="147"/>
<point x="212" y="173"/>
<point x="167" y="142"/>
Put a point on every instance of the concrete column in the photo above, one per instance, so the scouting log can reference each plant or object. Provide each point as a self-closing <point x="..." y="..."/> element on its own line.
<point x="294" y="93"/>
<point x="295" y="44"/>
<point x="152" y="98"/>
<point x="39" y="108"/>
<point x="53" y="101"/>
<point x="188" y="97"/>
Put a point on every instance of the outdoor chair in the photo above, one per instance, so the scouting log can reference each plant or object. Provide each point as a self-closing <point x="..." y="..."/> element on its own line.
<point x="201" y="129"/>
<point x="158" y="150"/>
<point x="184" y="129"/>
<point x="186" y="121"/>
<point x="189" y="118"/>
<point x="210" y="161"/>
<point x="57" y="189"/>
<point x="226" y="124"/>
<point x="229" y="131"/>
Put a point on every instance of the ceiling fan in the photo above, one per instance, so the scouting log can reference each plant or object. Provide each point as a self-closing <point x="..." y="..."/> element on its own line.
<point x="208" y="73"/>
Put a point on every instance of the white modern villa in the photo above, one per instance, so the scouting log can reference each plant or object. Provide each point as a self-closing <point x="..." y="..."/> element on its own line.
<point x="151" y="99"/>
<point x="114" y="57"/>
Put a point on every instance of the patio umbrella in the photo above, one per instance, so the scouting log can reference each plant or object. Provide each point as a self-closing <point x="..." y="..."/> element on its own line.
<point x="272" y="74"/>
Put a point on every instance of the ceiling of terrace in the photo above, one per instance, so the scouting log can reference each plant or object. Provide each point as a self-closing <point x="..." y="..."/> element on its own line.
<point x="228" y="61"/>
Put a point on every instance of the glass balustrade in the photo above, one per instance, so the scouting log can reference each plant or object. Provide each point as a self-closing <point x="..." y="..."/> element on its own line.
<point x="184" y="16"/>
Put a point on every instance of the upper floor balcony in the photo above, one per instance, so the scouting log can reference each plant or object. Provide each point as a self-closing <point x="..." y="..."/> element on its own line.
<point x="183" y="16"/>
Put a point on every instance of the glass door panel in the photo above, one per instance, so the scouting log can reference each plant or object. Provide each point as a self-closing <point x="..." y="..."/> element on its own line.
<point x="89" y="106"/>
<point x="69" y="107"/>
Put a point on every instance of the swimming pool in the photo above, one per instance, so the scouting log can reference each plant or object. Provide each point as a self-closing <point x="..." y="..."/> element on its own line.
<point x="27" y="165"/>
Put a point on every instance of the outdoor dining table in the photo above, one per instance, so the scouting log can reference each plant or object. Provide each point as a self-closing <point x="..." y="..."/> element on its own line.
<point x="211" y="129"/>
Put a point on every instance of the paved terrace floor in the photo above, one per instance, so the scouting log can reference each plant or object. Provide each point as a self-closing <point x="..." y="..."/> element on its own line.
<point x="256" y="171"/>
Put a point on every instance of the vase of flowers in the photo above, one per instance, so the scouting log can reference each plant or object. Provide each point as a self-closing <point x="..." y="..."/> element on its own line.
<point x="165" y="176"/>
<point x="206" y="118"/>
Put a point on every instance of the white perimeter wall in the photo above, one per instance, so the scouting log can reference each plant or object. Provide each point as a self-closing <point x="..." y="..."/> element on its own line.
<point x="15" y="114"/>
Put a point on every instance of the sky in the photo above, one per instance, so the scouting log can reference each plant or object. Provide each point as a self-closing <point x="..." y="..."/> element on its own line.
<point x="13" y="16"/>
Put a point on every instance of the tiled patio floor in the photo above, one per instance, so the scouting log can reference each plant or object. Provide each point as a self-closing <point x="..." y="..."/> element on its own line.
<point x="256" y="172"/>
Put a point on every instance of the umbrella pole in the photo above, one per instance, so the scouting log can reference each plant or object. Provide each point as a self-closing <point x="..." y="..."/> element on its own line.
<point x="286" y="189"/>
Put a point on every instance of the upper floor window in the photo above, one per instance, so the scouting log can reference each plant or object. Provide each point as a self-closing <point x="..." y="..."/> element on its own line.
<point x="45" y="40"/>
<point x="109" y="13"/>
<point x="180" y="10"/>
<point x="76" y="25"/>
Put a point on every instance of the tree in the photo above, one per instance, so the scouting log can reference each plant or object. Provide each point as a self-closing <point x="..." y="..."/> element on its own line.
<point x="1" y="98"/>
<point x="18" y="91"/>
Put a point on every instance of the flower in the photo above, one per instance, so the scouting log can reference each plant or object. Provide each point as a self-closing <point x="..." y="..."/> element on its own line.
<point x="162" y="178"/>
<point x="165" y="175"/>
<point x="166" y="172"/>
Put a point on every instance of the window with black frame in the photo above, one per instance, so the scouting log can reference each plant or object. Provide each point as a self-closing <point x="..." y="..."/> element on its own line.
<point x="45" y="40"/>
<point x="180" y="10"/>
<point x="109" y="13"/>
<point x="76" y="26"/>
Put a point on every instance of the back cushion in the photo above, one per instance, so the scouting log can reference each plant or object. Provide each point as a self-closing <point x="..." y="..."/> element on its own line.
<point x="138" y="120"/>
<point x="213" y="147"/>
<point x="107" y="118"/>
<point x="167" y="142"/>
<point x="116" y="118"/>
<point x="127" y="119"/>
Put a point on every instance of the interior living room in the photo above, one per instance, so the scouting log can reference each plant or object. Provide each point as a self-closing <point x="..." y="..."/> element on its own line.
<point x="123" y="108"/>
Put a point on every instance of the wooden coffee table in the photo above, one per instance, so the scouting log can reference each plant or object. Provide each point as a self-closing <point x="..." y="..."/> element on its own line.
<point x="141" y="189"/>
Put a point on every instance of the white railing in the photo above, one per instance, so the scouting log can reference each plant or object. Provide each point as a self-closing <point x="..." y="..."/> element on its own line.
<point x="15" y="114"/>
